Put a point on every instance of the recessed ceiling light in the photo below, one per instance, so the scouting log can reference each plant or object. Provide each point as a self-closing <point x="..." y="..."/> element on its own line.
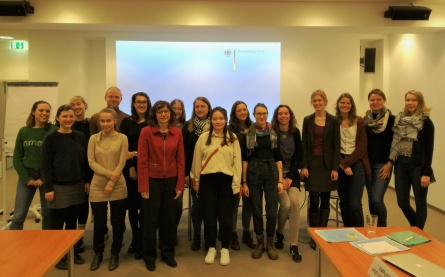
<point x="6" y="37"/>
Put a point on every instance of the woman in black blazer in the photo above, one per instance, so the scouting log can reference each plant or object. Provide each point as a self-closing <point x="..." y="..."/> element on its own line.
<point x="321" y="159"/>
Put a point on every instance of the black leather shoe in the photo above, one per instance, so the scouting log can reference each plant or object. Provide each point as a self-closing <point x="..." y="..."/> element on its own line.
<point x="279" y="241"/>
<point x="78" y="259"/>
<point x="312" y="244"/>
<point x="114" y="262"/>
<point x="96" y="261"/>
<point x="170" y="262"/>
<point x="150" y="265"/>
<point x="196" y="245"/>
<point x="62" y="264"/>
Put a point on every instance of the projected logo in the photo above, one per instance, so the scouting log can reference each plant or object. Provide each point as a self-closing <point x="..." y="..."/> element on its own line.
<point x="227" y="52"/>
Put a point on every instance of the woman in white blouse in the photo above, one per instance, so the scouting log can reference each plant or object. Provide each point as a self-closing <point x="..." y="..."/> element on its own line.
<point x="215" y="175"/>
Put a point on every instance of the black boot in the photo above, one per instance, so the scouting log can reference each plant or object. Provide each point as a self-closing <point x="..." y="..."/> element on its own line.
<point x="324" y="217"/>
<point x="314" y="221"/>
<point x="96" y="261"/>
<point x="296" y="256"/>
<point x="196" y="245"/>
<point x="279" y="241"/>
<point x="114" y="262"/>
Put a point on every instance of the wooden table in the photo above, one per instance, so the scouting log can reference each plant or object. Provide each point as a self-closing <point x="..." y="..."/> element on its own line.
<point x="36" y="252"/>
<point x="351" y="261"/>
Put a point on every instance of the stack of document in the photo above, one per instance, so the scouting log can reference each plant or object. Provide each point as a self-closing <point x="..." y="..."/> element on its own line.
<point x="379" y="246"/>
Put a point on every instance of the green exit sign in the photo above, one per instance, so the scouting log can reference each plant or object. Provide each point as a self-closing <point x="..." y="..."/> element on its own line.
<point x="18" y="45"/>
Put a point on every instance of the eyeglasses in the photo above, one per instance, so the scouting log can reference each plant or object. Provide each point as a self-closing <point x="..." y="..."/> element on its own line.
<point x="163" y="111"/>
<point x="261" y="114"/>
<point x="140" y="103"/>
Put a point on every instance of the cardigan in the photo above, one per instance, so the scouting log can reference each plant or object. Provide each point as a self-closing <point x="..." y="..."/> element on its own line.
<point x="360" y="152"/>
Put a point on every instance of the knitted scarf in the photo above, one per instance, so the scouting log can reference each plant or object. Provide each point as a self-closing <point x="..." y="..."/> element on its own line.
<point x="201" y="125"/>
<point x="255" y="131"/>
<point x="405" y="127"/>
<point x="377" y="125"/>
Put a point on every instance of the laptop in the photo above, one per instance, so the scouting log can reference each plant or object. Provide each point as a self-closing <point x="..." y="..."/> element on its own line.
<point x="415" y="265"/>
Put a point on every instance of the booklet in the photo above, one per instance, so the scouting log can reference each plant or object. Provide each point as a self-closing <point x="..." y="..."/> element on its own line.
<point x="341" y="235"/>
<point x="408" y="238"/>
<point x="378" y="246"/>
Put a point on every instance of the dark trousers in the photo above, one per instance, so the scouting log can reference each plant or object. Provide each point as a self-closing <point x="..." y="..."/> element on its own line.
<point x="64" y="217"/>
<point x="350" y="192"/>
<point x="196" y="212"/>
<point x="117" y="219"/>
<point x="262" y="178"/>
<point x="133" y="206"/>
<point x="217" y="202"/>
<point x="376" y="188"/>
<point x="407" y="176"/>
<point x="159" y="211"/>
<point x="84" y="210"/>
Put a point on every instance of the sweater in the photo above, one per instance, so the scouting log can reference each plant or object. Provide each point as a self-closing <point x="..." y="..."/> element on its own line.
<point x="63" y="159"/>
<point x="107" y="154"/>
<point x="27" y="151"/>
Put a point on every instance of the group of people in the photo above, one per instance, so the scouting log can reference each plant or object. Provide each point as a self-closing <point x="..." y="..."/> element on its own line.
<point x="142" y="162"/>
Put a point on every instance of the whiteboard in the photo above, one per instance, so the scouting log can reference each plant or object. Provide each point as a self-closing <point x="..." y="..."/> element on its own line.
<point x="20" y="96"/>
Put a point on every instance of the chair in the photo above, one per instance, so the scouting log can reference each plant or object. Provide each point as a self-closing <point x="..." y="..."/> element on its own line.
<point x="334" y="204"/>
<point x="189" y="218"/>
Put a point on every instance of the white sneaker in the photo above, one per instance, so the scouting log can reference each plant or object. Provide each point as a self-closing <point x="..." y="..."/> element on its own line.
<point x="225" y="258"/>
<point x="210" y="257"/>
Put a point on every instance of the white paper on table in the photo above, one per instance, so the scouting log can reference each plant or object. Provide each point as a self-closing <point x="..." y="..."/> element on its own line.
<point x="378" y="247"/>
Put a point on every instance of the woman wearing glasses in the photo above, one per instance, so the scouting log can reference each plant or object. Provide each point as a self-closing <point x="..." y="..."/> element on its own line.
<point x="262" y="175"/>
<point x="131" y="127"/>
<point x="161" y="182"/>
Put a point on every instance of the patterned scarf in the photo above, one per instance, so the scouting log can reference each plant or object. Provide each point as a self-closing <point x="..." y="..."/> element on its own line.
<point x="201" y="125"/>
<point x="377" y="125"/>
<point x="255" y="131"/>
<point x="405" y="127"/>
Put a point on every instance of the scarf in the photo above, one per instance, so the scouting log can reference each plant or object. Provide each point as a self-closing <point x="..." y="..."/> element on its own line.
<point x="201" y="125"/>
<point x="255" y="131"/>
<point x="405" y="127"/>
<point x="377" y="125"/>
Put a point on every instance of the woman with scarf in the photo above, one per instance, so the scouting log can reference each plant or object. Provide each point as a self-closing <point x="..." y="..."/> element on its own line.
<point x="412" y="153"/>
<point x="193" y="128"/>
<point x="262" y="174"/>
<point x="321" y="159"/>
<point x="379" y="122"/>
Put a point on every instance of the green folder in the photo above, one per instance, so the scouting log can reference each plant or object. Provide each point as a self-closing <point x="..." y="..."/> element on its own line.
<point x="408" y="238"/>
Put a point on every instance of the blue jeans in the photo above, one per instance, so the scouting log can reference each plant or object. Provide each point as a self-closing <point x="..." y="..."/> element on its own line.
<point x="262" y="177"/>
<point x="23" y="199"/>
<point x="407" y="175"/>
<point x="376" y="189"/>
<point x="350" y="191"/>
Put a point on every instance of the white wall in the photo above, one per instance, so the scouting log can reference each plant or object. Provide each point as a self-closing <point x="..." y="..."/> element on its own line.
<point x="83" y="62"/>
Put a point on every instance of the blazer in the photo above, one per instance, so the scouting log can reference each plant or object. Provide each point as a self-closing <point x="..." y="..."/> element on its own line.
<point x="331" y="142"/>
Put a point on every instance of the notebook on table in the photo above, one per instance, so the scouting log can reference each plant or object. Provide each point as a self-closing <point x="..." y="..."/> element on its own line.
<point x="415" y="265"/>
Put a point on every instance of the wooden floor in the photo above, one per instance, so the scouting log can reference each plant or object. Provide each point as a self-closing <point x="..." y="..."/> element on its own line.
<point x="192" y="263"/>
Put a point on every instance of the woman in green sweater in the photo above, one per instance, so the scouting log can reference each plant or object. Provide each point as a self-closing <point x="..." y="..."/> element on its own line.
<point x="27" y="163"/>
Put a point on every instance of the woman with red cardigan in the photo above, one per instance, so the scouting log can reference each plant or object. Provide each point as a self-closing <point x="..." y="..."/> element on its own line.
<point x="161" y="182"/>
